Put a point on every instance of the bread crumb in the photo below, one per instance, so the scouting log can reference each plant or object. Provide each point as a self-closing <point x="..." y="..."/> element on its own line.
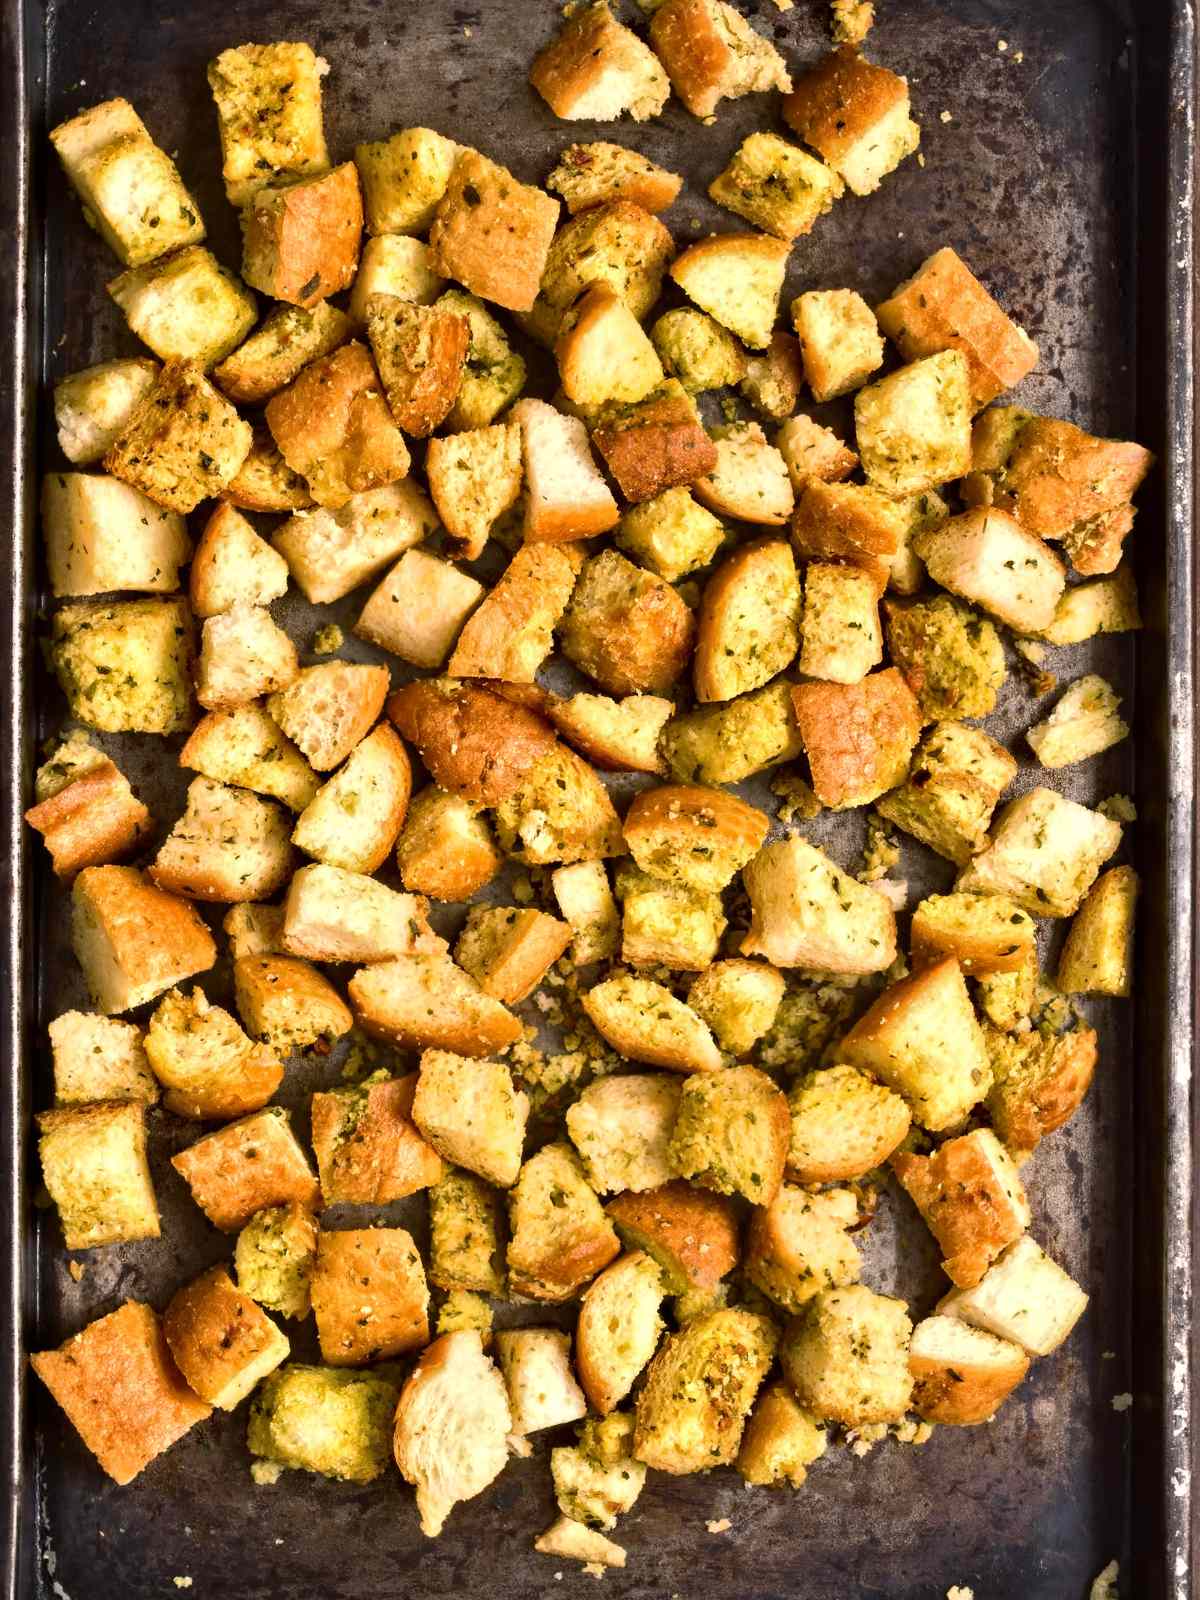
<point x="1019" y="57"/>
<point x="723" y="1526"/>
<point x="182" y="1583"/>
<point x="594" y="1569"/>
<point x="1001" y="45"/>
<point x="1122" y="1402"/>
<point x="783" y="5"/>
<point x="266" y="1471"/>
<point x="328" y="639"/>
<point x="76" y="1270"/>
<point x="960" y="1592"/>
<point x="945" y="116"/>
<point x="1108" y="1355"/>
<point x="1105" y="1586"/>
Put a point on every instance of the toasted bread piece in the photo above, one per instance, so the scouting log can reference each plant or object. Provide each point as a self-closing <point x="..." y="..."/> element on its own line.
<point x="542" y="1391"/>
<point x="602" y="353"/>
<point x="186" y="306"/>
<point x="466" y="1227"/>
<point x="699" y="1391"/>
<point x="561" y="812"/>
<point x="597" y="1480"/>
<point x="92" y="406"/>
<point x="472" y="1114"/>
<point x="806" y="912"/>
<point x="1097" y="957"/>
<point x="264" y="481"/>
<point x="586" y="901"/>
<point x="274" y="1258"/>
<point x="133" y="939"/>
<point x="855" y="115"/>
<point x="840" y="342"/>
<point x="776" y="186"/>
<point x="93" y="820"/>
<point x="843" y="1125"/>
<point x="300" y="240"/>
<point x="368" y="1150"/>
<point x="510" y="634"/>
<point x="711" y="54"/>
<point x="101" y="534"/>
<point x="1045" y="852"/>
<point x="667" y="924"/>
<point x="233" y="566"/>
<point x="655" y="444"/>
<point x="95" y="1170"/>
<point x="475" y="476"/>
<point x="951" y="657"/>
<point x="615" y="735"/>
<point x="1024" y="1297"/>
<point x="691" y="1234"/>
<point x="781" y="1440"/>
<point x="329" y="708"/>
<point x="812" y="452"/>
<point x="1040" y="1083"/>
<point x="210" y="1069"/>
<point x="474" y="743"/>
<point x="96" y="1058"/>
<point x="799" y="1244"/>
<point x="859" y="737"/>
<point x="913" y="428"/>
<point x="283" y="344"/>
<point x="733" y="739"/>
<point x="1007" y="999"/>
<point x="1083" y="723"/>
<point x="287" y="1003"/>
<point x="508" y="951"/>
<point x="495" y="372"/>
<point x="446" y="850"/>
<point x="735" y="277"/>
<point x="268" y="99"/>
<point x="565" y="495"/>
<point x="334" y="915"/>
<point x="595" y="70"/>
<point x="956" y="779"/>
<point x="961" y="1375"/>
<point x="239" y="1169"/>
<point x="394" y="265"/>
<point x="561" y="1237"/>
<point x="644" y="1021"/>
<point x="329" y="1420"/>
<point x="984" y="933"/>
<point x="590" y="174"/>
<point x="575" y="1541"/>
<point x="419" y="608"/>
<point x="618" y="1329"/>
<point x="425" y="1001"/>
<point x="183" y="442"/>
<point x="491" y="233"/>
<point x="840" y="631"/>
<point x="972" y="1199"/>
<point x="404" y="178"/>
<point x="420" y="352"/>
<point x="254" y="930"/>
<point x="332" y="552"/>
<point x="774" y="379"/>
<point x="697" y="350"/>
<point x="222" y="1343"/>
<point x="976" y="556"/>
<point x="846" y="1358"/>
<point x="244" y="655"/>
<point x="749" y="627"/>
<point x="739" y="1000"/>
<point x="731" y="1133"/>
<point x="369" y="1296"/>
<point x="353" y="819"/>
<point x="849" y="523"/>
<point x="121" y="1389"/>
<point x="229" y="845"/>
<point x="691" y="835"/>
<point x="750" y="479"/>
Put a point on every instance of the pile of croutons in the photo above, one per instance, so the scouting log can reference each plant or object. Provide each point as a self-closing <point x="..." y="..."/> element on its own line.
<point x="750" y="1050"/>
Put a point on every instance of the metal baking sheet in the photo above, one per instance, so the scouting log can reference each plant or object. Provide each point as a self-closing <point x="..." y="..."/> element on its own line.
<point x="1057" y="158"/>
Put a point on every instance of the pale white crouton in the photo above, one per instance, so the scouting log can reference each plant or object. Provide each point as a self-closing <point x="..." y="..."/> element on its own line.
<point x="1024" y="1297"/>
<point x="750" y="480"/>
<point x="234" y="566"/>
<point x="586" y="900"/>
<point x="1045" y="851"/>
<point x="99" y="1058"/>
<point x="397" y="265"/>
<point x="988" y="558"/>
<point x="332" y="552"/>
<point x="1084" y="722"/>
<point x="542" y="1391"/>
<point x="92" y="407"/>
<point x="621" y="1125"/>
<point x="618" y="1329"/>
<point x="574" y="1541"/>
<point x="472" y="1114"/>
<point x="333" y="915"/>
<point x="102" y="535"/>
<point x="595" y="70"/>
<point x="736" y="278"/>
<point x="229" y="845"/>
<point x="329" y="708"/>
<point x="807" y="912"/>
<point x="352" y="821"/>
<point x="244" y="654"/>
<point x="419" y="609"/>
<point x="186" y="307"/>
<point x="566" y="496"/>
<point x="644" y="1021"/>
<point x="602" y="353"/>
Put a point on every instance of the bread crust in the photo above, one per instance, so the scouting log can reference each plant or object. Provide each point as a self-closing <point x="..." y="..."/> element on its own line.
<point x="245" y="1166"/>
<point x="368" y="1150"/>
<point x="627" y="629"/>
<point x="953" y="1388"/>
<point x="95" y="820"/>
<point x="590" y="46"/>
<point x="369" y="1295"/>
<point x="657" y="444"/>
<point x="691" y="1233"/>
<point x="475" y="744"/>
<point x="287" y="1002"/>
<point x="629" y="1013"/>
<point x="300" y="241"/>
<point x="510" y="634"/>
<point x="850" y="523"/>
<point x="223" y="1344"/>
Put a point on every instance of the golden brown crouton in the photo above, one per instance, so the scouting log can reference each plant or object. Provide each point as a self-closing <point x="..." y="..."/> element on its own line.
<point x="984" y="933"/>
<point x="947" y="801"/>
<point x="508" y="951"/>
<point x="739" y="1000"/>
<point x="329" y="709"/>
<point x="691" y="1234"/>
<point x="773" y="380"/>
<point x="595" y="69"/>
<point x="711" y="53"/>
<point x="472" y="1114"/>
<point x="846" y="1358"/>
<point x="1007" y="999"/>
<point x="840" y="342"/>
<point x="736" y="278"/>
<point x="951" y="657"/>
<point x="691" y="835"/>
<point x="656" y="444"/>
<point x="210" y="1069"/>
<point x="591" y="174"/>
<point x="698" y="350"/>
<point x="268" y="99"/>
<point x="95" y="1170"/>
<point x="466" y="1249"/>
<point x="91" y="821"/>
<point x="422" y="1001"/>
<point x="799" y="1245"/>
<point x="287" y="1003"/>
<point x="222" y="1343"/>
<point x="602" y="353"/>
<point x="420" y="352"/>
<point x="731" y="1133"/>
<point x="644" y="1021"/>
<point x="475" y="744"/>
<point x="618" y="1329"/>
<point x="561" y="1237"/>
<point x="1024" y="1297"/>
<point x="229" y="845"/>
<point x="491" y="233"/>
<point x="264" y="481"/>
<point x="331" y="914"/>
<point x="913" y="428"/>
<point x="133" y="939"/>
<point x="667" y="924"/>
<point x="404" y="178"/>
<point x="91" y="407"/>
<point x="843" y="1125"/>
<point x="699" y="1391"/>
<point x="625" y="628"/>
<point x="733" y="739"/>
<point x="510" y="634"/>
<point x="850" y="523"/>
<point x="352" y="821"/>
<point x="560" y="812"/>
<point x="961" y="1375"/>
<point x="617" y="243"/>
<point x="1045" y="851"/>
<point x="811" y="451"/>
<point x="1097" y="957"/>
<point x="475" y="476"/>
<point x="858" y="736"/>
<point x="446" y="849"/>
<point x="615" y="735"/>
<point x="369" y="1296"/>
<point x="807" y="912"/>
<point x="183" y="443"/>
<point x="1041" y="1081"/>
<point x="749" y="626"/>
<point x="855" y="115"/>
<point x="840" y="632"/>
<point x="300" y="240"/>
<point x="781" y="1440"/>
<point x="776" y="186"/>
<point x="288" y="338"/>
<point x="368" y="1150"/>
<point x="972" y="1200"/>
<point x="239" y="1169"/>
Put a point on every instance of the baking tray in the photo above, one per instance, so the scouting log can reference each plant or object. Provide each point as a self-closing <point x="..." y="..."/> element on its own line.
<point x="1058" y="159"/>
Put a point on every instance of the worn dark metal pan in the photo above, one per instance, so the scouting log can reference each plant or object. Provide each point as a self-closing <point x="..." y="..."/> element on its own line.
<point x="1058" y="151"/>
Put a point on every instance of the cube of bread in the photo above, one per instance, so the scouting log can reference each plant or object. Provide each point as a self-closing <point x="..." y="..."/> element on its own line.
<point x="233" y="566"/>
<point x="395" y="265"/>
<point x="590" y="174"/>
<point x="131" y="190"/>
<point x="96" y="1058"/>
<point x="328" y="1420"/>
<point x="369" y="1296"/>
<point x="560" y="1236"/>
<point x="1045" y="852"/>
<point x="94" y="819"/>
<point x="446" y="849"/>
<point x="644" y="1021"/>
<point x="621" y="1126"/>
<point x="955" y="782"/>
<point x="491" y="233"/>
<point x="510" y="634"/>
<point x="229" y="845"/>
<point x="614" y="735"/>
<point x="287" y="1004"/>
<point x="749" y="623"/>
<point x="799" y="1244"/>
<point x="466" y="1226"/>
<point x="749" y="479"/>
<point x="1024" y="1297"/>
<point x="425" y="1001"/>
<point x="403" y="179"/>
<point x="472" y="1114"/>
<point x="780" y="1442"/>
<point x="1097" y="956"/>
<point x="655" y="444"/>
<point x="495" y="373"/>
<point x="595" y="69"/>
<point x="121" y="1390"/>
<point x="330" y="553"/>
<point x="985" y="933"/>
<point x="1041" y="1081"/>
<point x="183" y="443"/>
<point x="697" y="350"/>
<point x="667" y="924"/>
<point x="617" y="243"/>
<point x="1007" y="999"/>
<point x="91" y="407"/>
<point x="812" y="452"/>
<point x="739" y="1001"/>
<point x="914" y="426"/>
<point x="597" y="1480"/>
<point x="565" y="495"/>
<point x="421" y="352"/>
<point x="806" y="912"/>
<point x="75" y="758"/>
<point x="921" y="1038"/>
<point x="328" y="709"/>
<point x="268" y="99"/>
<point x="972" y="1199"/>
<point x="1083" y="723"/>
<point x="274" y="1258"/>
<point x="991" y="560"/>
<point x="245" y="1166"/>
<point x="731" y="1133"/>
<point x="670" y="534"/>
<point x="846" y="1358"/>
<point x="254" y="930"/>
<point x="843" y="1125"/>
<point x="849" y="523"/>
<point x="840" y="631"/>
<point x="300" y="239"/>
<point x="694" y="836"/>
<point x="132" y="939"/>
<point x="858" y="737"/>
<point x="95" y="1169"/>
<point x="209" y="1068"/>
<point x="699" y="1390"/>
<point x="244" y="655"/>
<point x="943" y="306"/>
<point x="419" y="609"/>
<point x="475" y="744"/>
<point x="921" y="511"/>
<point x="187" y="307"/>
<point x="840" y="342"/>
<point x="101" y="534"/>
<point x="855" y="115"/>
<point x="289" y="337"/>
<point x="774" y="379"/>
<point x="776" y="186"/>
<point x="508" y="951"/>
<point x="223" y="1344"/>
<point x="951" y="657"/>
<point x="602" y="353"/>
<point x="961" y="1375"/>
<point x="265" y="482"/>
<point x="245" y="747"/>
<point x="475" y="476"/>
<point x="560" y="812"/>
<point x="542" y="1391"/>
<point x="368" y="1149"/>
<point x="733" y="739"/>
<point x="735" y="277"/>
<point x="711" y="54"/>
<point x="586" y="902"/>
<point x="334" y="915"/>
<point x="452" y="1426"/>
<point x="691" y="1234"/>
<point x="617" y="1332"/>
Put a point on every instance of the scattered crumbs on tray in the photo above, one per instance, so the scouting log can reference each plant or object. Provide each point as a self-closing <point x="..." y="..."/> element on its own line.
<point x="594" y="1569"/>
<point x="1105" y="1586"/>
<point x="721" y="1526"/>
<point x="328" y="639"/>
<point x="1122" y="1402"/>
<point x="1002" y="45"/>
<point x="75" y="1268"/>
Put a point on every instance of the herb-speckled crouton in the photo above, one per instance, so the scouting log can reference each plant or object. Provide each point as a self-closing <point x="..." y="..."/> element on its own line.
<point x="586" y="901"/>
<point x="618" y="1329"/>
<point x="1097" y="957"/>
<point x="491" y="233"/>
<point x="951" y="790"/>
<point x="590" y="174"/>
<point x="494" y="374"/>
<point x="807" y="912"/>
<point x="1083" y="723"/>
<point x="508" y="951"/>
<point x="626" y="628"/>
<point x="971" y="1198"/>
<point x="914" y="427"/>
<point x="403" y="178"/>
<point x="463" y="1310"/>
<point x="987" y="558"/>
<point x="420" y="352"/>
<point x="560" y="1235"/>
<point x="749" y="624"/>
<point x="859" y="737"/>
<point x="300" y="240"/>
<point x="810" y="451"/>
<point x="614" y="735"/>
<point x="511" y="632"/>
<point x="731" y="1133"/>
<point x="985" y="933"/>
<point x="800" y="1244"/>
<point x="711" y="54"/>
<point x="846" y="1358"/>
<point x="466" y="1234"/>
<point x="602" y="353"/>
<point x="961" y="1374"/>
<point x="472" y="1114"/>
<point x="1045" y="851"/>
<point x="597" y="1480"/>
<point x="246" y="1166"/>
<point x="229" y="845"/>
<point x="616" y="243"/>
<point x="474" y="477"/>
<point x="749" y="479"/>
<point x="739" y="1000"/>
<point x="369" y="1295"/>
<point x="734" y="739"/>
<point x="254" y="930"/>
<point x="699" y="1391"/>
<point x="287" y="1003"/>
<point x="691" y="1234"/>
<point x="264" y="481"/>
<point x="233" y="566"/>
<point x="774" y="379"/>
<point x="849" y="523"/>
<point x="95" y="1169"/>
<point x="855" y="115"/>
<point x="737" y="279"/>
<point x="91" y="818"/>
<point x="840" y="342"/>
<point x="843" y="1124"/>
<point x="288" y="338"/>
<point x="268" y="99"/>
<point x="781" y="1440"/>
<point x="222" y="1343"/>
<point x="101" y="534"/>
<point x="132" y="939"/>
<point x="98" y="1058"/>
<point x="840" y="632"/>
<point x="950" y="656"/>
<point x="643" y="1021"/>
<point x="776" y="186"/>
<point x="183" y="443"/>
<point x="667" y="924"/>
<point x="274" y="1258"/>
<point x="1041" y="1081"/>
<point x="367" y="1148"/>
<point x="1024" y="1296"/>
<point x="1006" y="999"/>
<point x="621" y="1126"/>
<point x="654" y="444"/>
<point x="329" y="1420"/>
<point x="91" y="407"/>
<point x="186" y="307"/>
<point x="244" y="654"/>
<point x="1101" y="605"/>
<point x="426" y="1001"/>
<point x="595" y="69"/>
<point x="210" y="1069"/>
<point x="698" y="350"/>
<point x="561" y="812"/>
<point x="692" y="835"/>
<point x="445" y="849"/>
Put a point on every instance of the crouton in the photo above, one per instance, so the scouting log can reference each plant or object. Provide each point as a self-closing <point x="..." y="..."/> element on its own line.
<point x="985" y="933"/>
<point x="780" y="1442"/>
<point x="274" y="1258"/>
<point x="328" y="1420"/>
<point x="920" y="511"/>
<point x="121" y="1390"/>
<point x="621" y="1126"/>
<point x="656" y="444"/>
<point x="773" y="380"/>
<point x="643" y="1021"/>
<point x="602" y="353"/>
<point x="566" y="496"/>
<point x="1083" y="723"/>
<point x="353" y="819"/>
<point x="950" y="656"/>
<point x="509" y="951"/>
<point x="425" y="1001"/>
<point x="846" y="1358"/>
<point x="265" y="482"/>
<point x="858" y="736"/>
<point x="254" y="930"/>
<point x="209" y="1068"/>
<point x="233" y="566"/>
<point x="369" y="1296"/>
<point x="268" y="99"/>
<point x="806" y="912"/>
<point x="597" y="1480"/>
<point x="183" y="443"/>
<point x="842" y="638"/>
<point x="494" y="374"/>
<point x="971" y="1198"/>
<point x="245" y="1166"/>
<point x="419" y="608"/>
<point x="736" y="278"/>
<point x="229" y="845"/>
<point x="101" y="534"/>
<point x="510" y="634"/>
<point x="914" y="426"/>
<point x="574" y="1541"/>
<point x="132" y="939"/>
<point x="95" y="1169"/>
<point x="850" y="523"/>
<point x="731" y="1133"/>
<point x="245" y="747"/>
<point x="1024" y="1297"/>
<point x="749" y="479"/>
<point x="93" y="820"/>
<point x="287" y="1004"/>
<point x="667" y="924"/>
<point x="614" y="735"/>
<point x="466" y="1249"/>
<point x="328" y="709"/>
<point x="491" y="233"/>
<point x="475" y="477"/>
<point x="75" y="758"/>
<point x="670" y="534"/>
<point x="96" y="1058"/>
<point x="1007" y="999"/>
<point x="92" y="407"/>
<point x="799" y="1245"/>
<point x="445" y="849"/>
<point x="699" y="1391"/>
<point x="1045" y="852"/>
<point x="626" y="628"/>
<point x="695" y="836"/>
<point x="472" y="1114"/>
<point x="475" y="744"/>
<point x="840" y="342"/>
<point x="961" y="1375"/>
<point x="244" y="655"/>
<point x="691" y="1234"/>
<point x="776" y="186"/>
<point x="987" y="558"/>
<point x="394" y="265"/>
<point x="560" y="812"/>
<point x="1097" y="957"/>
<point x="843" y="1125"/>
<point x="947" y="800"/>
<point x="561" y="1237"/>
<point x="334" y="915"/>
<point x="617" y="243"/>
<point x="1101" y="605"/>
<point x="851" y="20"/>
<point x="420" y="352"/>
<point x="404" y="179"/>
<point x="187" y="307"/>
<point x="330" y="553"/>
<point x="855" y="116"/>
<point x="697" y="350"/>
<point x="943" y="306"/>
<point x="749" y="624"/>
<point x="729" y="741"/>
<point x="367" y="1148"/>
<point x="618" y="1329"/>
<point x="586" y="902"/>
<point x="711" y="54"/>
<point x="289" y="337"/>
<point x="300" y="240"/>
<point x="590" y="174"/>
<point x="738" y="1000"/>
<point x="1041" y="1081"/>
<point x="595" y="70"/>
<point x="542" y="1391"/>
<point x="222" y="1343"/>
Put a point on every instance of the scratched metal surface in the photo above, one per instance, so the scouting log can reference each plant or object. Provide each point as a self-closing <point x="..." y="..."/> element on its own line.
<point x="1029" y="170"/>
